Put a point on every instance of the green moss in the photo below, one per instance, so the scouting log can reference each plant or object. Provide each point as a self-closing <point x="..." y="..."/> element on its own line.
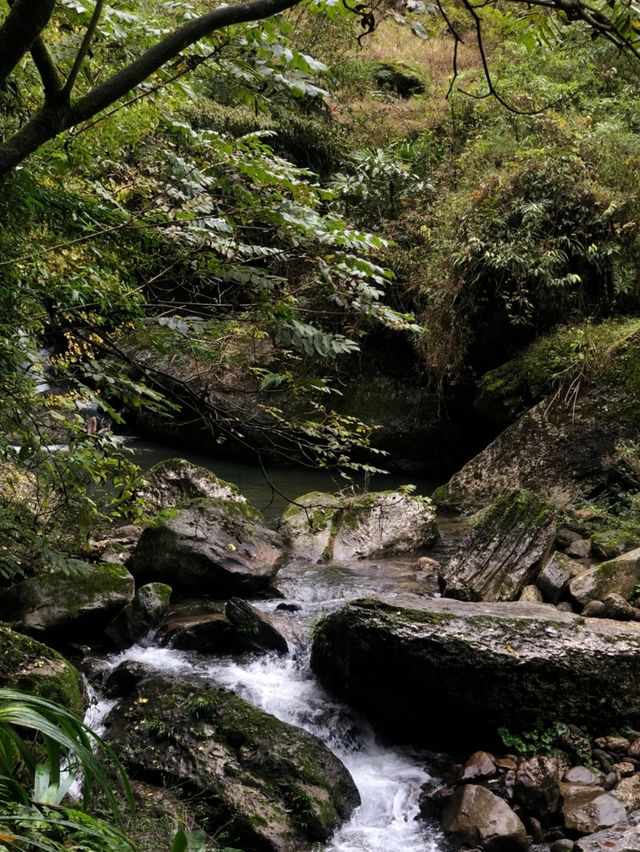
<point x="33" y="667"/>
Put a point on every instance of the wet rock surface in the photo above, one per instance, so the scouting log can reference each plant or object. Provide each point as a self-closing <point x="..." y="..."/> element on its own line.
<point x="429" y="669"/>
<point x="209" y="547"/>
<point x="269" y="785"/>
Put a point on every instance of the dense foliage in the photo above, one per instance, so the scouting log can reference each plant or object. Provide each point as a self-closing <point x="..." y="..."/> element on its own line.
<point x="231" y="239"/>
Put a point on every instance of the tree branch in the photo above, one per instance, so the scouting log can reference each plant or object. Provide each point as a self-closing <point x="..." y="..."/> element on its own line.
<point x="169" y="48"/>
<point x="52" y="120"/>
<point x="51" y="82"/>
<point x="84" y="49"/>
<point x="20" y="29"/>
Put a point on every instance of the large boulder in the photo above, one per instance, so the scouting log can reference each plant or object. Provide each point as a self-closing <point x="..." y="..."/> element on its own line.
<point x="503" y="551"/>
<point x="256" y="782"/>
<point x="176" y="481"/>
<point x="562" y="451"/>
<point x="208" y="547"/>
<point x="30" y="666"/>
<point x="343" y="527"/>
<point x="476" y="817"/>
<point x="617" y="576"/>
<point x="442" y="671"/>
<point x="74" y="605"/>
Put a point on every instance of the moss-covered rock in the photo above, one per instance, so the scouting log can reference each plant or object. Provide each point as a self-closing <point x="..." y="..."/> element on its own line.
<point x="503" y="551"/>
<point x="616" y="576"/>
<point x="253" y="781"/>
<point x="344" y="527"/>
<point x="32" y="667"/>
<point x="214" y="547"/>
<point x="440" y="672"/>
<point x="568" y="444"/>
<point x="73" y="606"/>
<point x="175" y="481"/>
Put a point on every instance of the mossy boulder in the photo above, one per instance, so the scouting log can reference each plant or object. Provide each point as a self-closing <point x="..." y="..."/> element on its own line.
<point x="503" y="551"/>
<point x="74" y="605"/>
<point x="442" y="672"/>
<point x="138" y="617"/>
<point x="175" y="481"/>
<point x="32" y="667"/>
<point x="344" y="527"/>
<point x="617" y="576"/>
<point x="584" y="381"/>
<point x="254" y="782"/>
<point x="213" y="547"/>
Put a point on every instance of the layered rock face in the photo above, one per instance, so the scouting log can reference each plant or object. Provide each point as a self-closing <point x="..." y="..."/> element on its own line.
<point x="503" y="551"/>
<point x="442" y="671"/>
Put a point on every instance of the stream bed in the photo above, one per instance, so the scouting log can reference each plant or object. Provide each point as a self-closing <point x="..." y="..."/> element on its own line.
<point x="388" y="778"/>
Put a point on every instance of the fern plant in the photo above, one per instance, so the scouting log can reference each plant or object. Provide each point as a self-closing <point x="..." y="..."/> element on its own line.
<point x="44" y="751"/>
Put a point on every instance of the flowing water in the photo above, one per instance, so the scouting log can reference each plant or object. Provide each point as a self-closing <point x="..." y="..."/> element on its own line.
<point x="388" y="778"/>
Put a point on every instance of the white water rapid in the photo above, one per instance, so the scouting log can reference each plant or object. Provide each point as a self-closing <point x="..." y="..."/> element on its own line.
<point x="388" y="778"/>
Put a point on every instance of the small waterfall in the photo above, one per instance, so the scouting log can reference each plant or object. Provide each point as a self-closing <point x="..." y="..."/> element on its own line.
<point x="389" y="779"/>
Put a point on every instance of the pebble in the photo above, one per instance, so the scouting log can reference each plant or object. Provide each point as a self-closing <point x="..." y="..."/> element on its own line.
<point x="564" y="606"/>
<point x="634" y="748"/>
<point x="563" y="845"/>
<point x="615" y="744"/>
<point x="606" y="764"/>
<point x="610" y="781"/>
<point x="625" y="768"/>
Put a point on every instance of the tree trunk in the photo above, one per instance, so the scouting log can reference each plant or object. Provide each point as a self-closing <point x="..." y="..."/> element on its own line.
<point x="20" y="29"/>
<point x="44" y="125"/>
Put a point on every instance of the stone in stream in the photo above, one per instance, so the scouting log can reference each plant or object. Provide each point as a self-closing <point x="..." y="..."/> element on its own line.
<point x="250" y="780"/>
<point x="255" y="628"/>
<point x="503" y="551"/>
<point x="137" y="618"/>
<point x="70" y="606"/>
<point x="345" y="527"/>
<point x="213" y="547"/>
<point x="441" y="671"/>
<point x="234" y="628"/>
<point x="175" y="481"/>
<point x="474" y="816"/>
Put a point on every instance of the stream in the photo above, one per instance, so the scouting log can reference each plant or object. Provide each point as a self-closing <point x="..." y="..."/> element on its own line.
<point x="388" y="778"/>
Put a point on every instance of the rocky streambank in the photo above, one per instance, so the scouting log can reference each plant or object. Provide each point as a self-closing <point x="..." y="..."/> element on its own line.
<point x="513" y="644"/>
